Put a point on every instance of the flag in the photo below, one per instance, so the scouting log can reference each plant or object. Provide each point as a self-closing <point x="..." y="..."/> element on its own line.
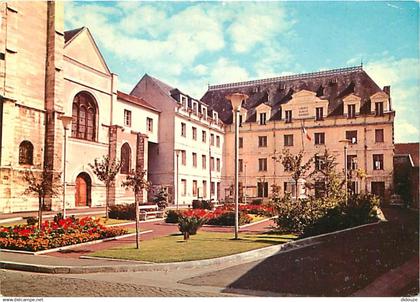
<point x="306" y="134"/>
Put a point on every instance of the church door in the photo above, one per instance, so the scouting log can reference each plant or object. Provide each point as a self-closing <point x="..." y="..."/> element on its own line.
<point x="82" y="190"/>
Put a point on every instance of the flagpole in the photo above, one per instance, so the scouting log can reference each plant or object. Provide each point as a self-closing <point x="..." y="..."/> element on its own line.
<point x="301" y="135"/>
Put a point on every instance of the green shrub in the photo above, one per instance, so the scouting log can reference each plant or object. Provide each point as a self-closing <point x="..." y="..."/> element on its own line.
<point x="123" y="211"/>
<point x="172" y="216"/>
<point x="361" y="208"/>
<point x="188" y="225"/>
<point x="207" y="205"/>
<point x="257" y="201"/>
<point x="228" y="219"/>
<point x="315" y="216"/>
<point x="197" y="204"/>
<point x="31" y="220"/>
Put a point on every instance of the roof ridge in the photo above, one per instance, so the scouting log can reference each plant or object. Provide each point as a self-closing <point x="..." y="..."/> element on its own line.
<point x="287" y="77"/>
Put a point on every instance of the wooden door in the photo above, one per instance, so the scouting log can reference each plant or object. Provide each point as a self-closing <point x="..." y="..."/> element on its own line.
<point x="81" y="192"/>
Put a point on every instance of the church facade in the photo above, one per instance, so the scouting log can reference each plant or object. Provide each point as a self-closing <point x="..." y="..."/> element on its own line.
<point x="185" y="144"/>
<point x="63" y="73"/>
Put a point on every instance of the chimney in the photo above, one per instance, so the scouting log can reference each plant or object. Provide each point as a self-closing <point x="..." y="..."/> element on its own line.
<point x="387" y="90"/>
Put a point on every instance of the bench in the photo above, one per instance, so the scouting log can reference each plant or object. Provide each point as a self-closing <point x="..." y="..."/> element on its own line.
<point x="150" y="210"/>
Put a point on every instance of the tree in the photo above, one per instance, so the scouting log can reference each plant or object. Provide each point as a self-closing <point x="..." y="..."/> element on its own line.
<point x="294" y="164"/>
<point x="42" y="184"/>
<point x="106" y="170"/>
<point x="161" y="197"/>
<point x="136" y="181"/>
<point x="325" y="171"/>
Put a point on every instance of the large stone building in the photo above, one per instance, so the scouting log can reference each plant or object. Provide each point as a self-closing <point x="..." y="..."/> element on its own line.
<point x="62" y="73"/>
<point x="186" y="125"/>
<point x="47" y="73"/>
<point x="310" y="112"/>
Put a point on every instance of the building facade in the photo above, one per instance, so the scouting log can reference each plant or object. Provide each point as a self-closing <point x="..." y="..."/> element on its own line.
<point x="63" y="73"/>
<point x="191" y="137"/>
<point x="186" y="145"/>
<point x="406" y="173"/>
<point x="310" y="113"/>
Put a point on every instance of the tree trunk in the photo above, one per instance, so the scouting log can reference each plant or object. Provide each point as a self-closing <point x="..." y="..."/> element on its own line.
<point x="39" y="211"/>
<point x="106" y="200"/>
<point x="296" y="188"/>
<point x="137" y="220"/>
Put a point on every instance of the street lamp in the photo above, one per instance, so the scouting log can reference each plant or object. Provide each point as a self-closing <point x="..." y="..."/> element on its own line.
<point x="346" y="142"/>
<point x="245" y="186"/>
<point x="66" y="120"/>
<point x="236" y="100"/>
<point x="177" y="152"/>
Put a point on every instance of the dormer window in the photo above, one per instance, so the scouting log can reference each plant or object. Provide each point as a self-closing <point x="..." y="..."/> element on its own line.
<point x="184" y="101"/>
<point x="195" y="107"/>
<point x="319" y="114"/>
<point x="379" y="108"/>
<point x="204" y="112"/>
<point x="288" y="116"/>
<point x="351" y="111"/>
<point x="263" y="118"/>
<point x="215" y="116"/>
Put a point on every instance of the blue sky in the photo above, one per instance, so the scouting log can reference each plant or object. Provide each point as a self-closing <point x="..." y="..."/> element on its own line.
<point x="192" y="44"/>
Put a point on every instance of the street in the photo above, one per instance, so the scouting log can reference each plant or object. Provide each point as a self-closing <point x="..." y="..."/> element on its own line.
<point x="337" y="265"/>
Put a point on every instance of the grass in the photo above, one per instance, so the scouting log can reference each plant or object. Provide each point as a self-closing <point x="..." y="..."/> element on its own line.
<point x="204" y="245"/>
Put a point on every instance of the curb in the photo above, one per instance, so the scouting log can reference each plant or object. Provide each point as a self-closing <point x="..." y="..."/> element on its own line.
<point x="245" y="257"/>
<point x="73" y="245"/>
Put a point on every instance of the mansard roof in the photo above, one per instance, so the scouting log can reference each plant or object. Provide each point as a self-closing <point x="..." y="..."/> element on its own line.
<point x="332" y="85"/>
<point x="175" y="93"/>
<point x="135" y="100"/>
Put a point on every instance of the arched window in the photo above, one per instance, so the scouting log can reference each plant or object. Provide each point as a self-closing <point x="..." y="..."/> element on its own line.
<point x="125" y="158"/>
<point x="84" y="117"/>
<point x="26" y="153"/>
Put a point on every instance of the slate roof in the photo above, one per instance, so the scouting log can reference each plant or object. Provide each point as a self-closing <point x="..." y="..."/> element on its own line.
<point x="409" y="148"/>
<point x="135" y="100"/>
<point x="175" y="93"/>
<point x="69" y="34"/>
<point x="332" y="85"/>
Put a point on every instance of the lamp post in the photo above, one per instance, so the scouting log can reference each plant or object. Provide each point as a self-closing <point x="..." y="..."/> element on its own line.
<point x="236" y="100"/>
<point x="66" y="120"/>
<point x="346" y="142"/>
<point x="245" y="186"/>
<point x="177" y="152"/>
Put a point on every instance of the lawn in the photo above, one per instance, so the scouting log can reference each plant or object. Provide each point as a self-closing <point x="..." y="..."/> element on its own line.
<point x="204" y="245"/>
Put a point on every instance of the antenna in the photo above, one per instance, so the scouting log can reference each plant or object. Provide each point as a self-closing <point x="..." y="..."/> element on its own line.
<point x="361" y="62"/>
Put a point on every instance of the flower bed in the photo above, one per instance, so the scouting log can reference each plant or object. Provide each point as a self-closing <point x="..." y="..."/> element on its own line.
<point x="224" y="215"/>
<point x="58" y="233"/>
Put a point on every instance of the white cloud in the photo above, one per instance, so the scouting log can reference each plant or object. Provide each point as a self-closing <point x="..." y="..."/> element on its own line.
<point x="256" y="23"/>
<point x="225" y="71"/>
<point x="200" y="69"/>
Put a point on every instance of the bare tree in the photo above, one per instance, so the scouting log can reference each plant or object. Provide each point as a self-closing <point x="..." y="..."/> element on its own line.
<point x="294" y="164"/>
<point x="137" y="181"/>
<point x="41" y="184"/>
<point x="106" y="170"/>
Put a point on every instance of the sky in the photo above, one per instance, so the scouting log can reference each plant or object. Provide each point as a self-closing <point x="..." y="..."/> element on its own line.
<point x="189" y="45"/>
